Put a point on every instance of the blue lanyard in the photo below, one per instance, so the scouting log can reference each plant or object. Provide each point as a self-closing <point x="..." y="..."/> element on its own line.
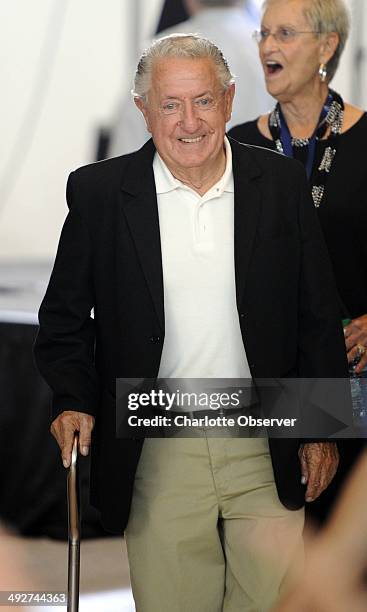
<point x="286" y="138"/>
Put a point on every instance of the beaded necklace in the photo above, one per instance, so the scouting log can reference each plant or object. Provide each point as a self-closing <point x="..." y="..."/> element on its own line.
<point x="331" y="117"/>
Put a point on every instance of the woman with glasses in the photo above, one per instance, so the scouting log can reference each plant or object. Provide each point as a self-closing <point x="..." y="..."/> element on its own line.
<point x="300" y="44"/>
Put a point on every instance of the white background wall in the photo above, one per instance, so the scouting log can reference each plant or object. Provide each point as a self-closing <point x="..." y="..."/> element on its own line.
<point x="64" y="63"/>
<point x="46" y="131"/>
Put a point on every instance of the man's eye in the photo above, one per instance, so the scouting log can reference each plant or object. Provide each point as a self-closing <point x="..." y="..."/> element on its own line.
<point x="204" y="102"/>
<point x="264" y="34"/>
<point x="170" y="106"/>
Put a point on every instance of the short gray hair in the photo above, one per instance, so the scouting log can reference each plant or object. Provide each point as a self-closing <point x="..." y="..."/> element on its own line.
<point x="179" y="45"/>
<point x="327" y="16"/>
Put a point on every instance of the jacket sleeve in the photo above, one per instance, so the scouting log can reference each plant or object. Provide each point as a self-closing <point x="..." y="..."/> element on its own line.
<point x="64" y="348"/>
<point x="321" y="340"/>
<point x="321" y="355"/>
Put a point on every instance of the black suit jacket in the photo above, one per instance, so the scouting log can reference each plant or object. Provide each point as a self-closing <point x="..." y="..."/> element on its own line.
<point x="109" y="259"/>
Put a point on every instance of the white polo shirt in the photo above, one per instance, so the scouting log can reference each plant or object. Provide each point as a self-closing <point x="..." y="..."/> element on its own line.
<point x="202" y="331"/>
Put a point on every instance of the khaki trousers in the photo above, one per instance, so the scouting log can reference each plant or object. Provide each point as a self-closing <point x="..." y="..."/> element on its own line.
<point x="207" y="532"/>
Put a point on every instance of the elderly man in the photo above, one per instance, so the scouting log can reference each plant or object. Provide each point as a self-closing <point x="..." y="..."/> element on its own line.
<point x="202" y="258"/>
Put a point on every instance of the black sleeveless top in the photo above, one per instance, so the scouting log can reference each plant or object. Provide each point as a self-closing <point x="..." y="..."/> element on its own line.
<point x="343" y="210"/>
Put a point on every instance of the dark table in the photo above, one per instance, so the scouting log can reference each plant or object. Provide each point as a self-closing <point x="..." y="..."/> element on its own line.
<point x="32" y="478"/>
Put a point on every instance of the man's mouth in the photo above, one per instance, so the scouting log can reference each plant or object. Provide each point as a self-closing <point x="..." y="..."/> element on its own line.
<point x="192" y="140"/>
<point x="272" y="67"/>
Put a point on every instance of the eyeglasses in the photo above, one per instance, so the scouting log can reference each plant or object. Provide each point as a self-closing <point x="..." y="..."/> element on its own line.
<point x="174" y="107"/>
<point x="281" y="35"/>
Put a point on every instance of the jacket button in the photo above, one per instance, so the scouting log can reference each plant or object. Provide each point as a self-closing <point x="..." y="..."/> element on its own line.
<point x="242" y="315"/>
<point x="155" y="339"/>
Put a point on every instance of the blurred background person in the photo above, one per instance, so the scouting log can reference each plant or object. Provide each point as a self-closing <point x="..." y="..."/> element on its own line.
<point x="229" y="24"/>
<point x="335" y="577"/>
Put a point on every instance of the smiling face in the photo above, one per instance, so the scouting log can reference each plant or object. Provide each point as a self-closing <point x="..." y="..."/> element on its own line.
<point x="291" y="66"/>
<point x="186" y="112"/>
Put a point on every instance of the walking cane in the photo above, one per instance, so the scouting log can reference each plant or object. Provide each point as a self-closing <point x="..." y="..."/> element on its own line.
<point x="74" y="530"/>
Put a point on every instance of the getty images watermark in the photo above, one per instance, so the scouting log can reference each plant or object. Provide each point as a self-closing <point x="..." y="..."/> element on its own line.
<point x="167" y="400"/>
<point x="282" y="408"/>
<point x="193" y="409"/>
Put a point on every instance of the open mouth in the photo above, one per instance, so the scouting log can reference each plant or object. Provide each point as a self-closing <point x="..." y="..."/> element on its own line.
<point x="272" y="68"/>
<point x="192" y="140"/>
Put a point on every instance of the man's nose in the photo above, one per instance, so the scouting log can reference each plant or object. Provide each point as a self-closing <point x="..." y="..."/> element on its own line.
<point x="190" y="119"/>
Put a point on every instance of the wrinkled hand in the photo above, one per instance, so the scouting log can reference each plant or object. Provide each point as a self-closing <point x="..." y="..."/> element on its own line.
<point x="319" y="462"/>
<point x="355" y="340"/>
<point x="63" y="429"/>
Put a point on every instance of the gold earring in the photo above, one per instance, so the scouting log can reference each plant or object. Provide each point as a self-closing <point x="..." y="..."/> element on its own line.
<point x="323" y="72"/>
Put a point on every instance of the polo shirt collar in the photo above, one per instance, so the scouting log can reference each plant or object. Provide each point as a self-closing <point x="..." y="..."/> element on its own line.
<point x="166" y="182"/>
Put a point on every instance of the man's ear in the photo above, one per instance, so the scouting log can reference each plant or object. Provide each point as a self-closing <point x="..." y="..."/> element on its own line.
<point x="141" y="106"/>
<point x="228" y="100"/>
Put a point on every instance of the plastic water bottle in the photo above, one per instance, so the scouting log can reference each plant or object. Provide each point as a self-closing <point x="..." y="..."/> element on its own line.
<point x="358" y="385"/>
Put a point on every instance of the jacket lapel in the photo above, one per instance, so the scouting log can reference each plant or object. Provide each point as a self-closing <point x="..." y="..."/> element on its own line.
<point x="247" y="202"/>
<point x="141" y="211"/>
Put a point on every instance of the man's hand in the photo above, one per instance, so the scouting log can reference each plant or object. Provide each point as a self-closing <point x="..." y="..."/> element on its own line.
<point x="63" y="429"/>
<point x="356" y="341"/>
<point x="319" y="462"/>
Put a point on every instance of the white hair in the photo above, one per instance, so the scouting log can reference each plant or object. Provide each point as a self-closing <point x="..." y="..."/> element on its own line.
<point x="179" y="45"/>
